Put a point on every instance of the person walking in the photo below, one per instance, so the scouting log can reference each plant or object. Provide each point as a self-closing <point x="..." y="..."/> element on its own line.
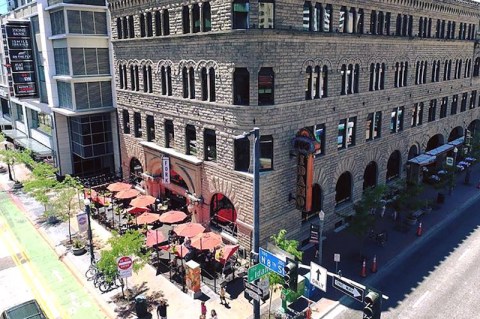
<point x="203" y="309"/>
<point x="213" y="313"/>
<point x="162" y="309"/>
<point x="223" y="300"/>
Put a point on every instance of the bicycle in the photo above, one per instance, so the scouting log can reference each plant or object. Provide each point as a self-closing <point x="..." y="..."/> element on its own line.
<point x="108" y="285"/>
<point x="91" y="272"/>
<point x="381" y="238"/>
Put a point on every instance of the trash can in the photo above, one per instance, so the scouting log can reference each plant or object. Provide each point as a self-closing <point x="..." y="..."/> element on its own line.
<point x="440" y="198"/>
<point x="141" y="306"/>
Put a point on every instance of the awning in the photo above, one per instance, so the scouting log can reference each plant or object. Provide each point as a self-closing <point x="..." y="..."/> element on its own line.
<point x="441" y="149"/>
<point x="34" y="146"/>
<point x="457" y="142"/>
<point x="423" y="159"/>
<point x="14" y="134"/>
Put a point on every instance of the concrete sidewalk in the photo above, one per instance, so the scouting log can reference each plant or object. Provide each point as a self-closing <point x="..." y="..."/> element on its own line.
<point x="181" y="306"/>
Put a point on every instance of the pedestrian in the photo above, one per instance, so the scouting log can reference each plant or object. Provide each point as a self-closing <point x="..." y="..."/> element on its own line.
<point x="162" y="309"/>
<point x="213" y="313"/>
<point x="382" y="211"/>
<point x="223" y="300"/>
<point x="203" y="309"/>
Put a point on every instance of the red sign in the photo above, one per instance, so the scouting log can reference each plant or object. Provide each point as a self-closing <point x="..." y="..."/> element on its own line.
<point x="125" y="263"/>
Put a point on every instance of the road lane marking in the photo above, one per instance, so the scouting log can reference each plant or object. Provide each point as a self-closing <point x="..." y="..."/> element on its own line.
<point x="420" y="300"/>
<point x="57" y="275"/>
<point x="464" y="254"/>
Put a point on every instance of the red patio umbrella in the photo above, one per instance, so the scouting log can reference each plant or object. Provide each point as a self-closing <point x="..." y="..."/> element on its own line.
<point x="206" y="241"/>
<point x="118" y="187"/>
<point x="147" y="218"/>
<point x="143" y="200"/>
<point x="90" y="193"/>
<point x="137" y="210"/>
<point x="154" y="237"/>
<point x="179" y="250"/>
<point x="129" y="193"/>
<point x="173" y="216"/>
<point x="225" y="253"/>
<point x="189" y="229"/>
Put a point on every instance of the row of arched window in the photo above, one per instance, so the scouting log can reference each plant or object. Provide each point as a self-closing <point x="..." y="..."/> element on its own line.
<point x="319" y="17"/>
<point x="134" y="71"/>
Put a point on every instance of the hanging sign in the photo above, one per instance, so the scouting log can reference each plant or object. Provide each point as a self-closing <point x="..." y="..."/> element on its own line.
<point x="314" y="229"/>
<point x="304" y="182"/>
<point x="166" y="169"/>
<point x="82" y="220"/>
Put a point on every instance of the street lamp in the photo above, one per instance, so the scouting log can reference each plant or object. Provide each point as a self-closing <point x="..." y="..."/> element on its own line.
<point x="86" y="201"/>
<point x="321" y="216"/>
<point x="256" y="202"/>
<point x="452" y="181"/>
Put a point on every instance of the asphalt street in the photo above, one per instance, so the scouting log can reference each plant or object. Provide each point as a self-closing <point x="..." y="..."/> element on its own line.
<point x="436" y="279"/>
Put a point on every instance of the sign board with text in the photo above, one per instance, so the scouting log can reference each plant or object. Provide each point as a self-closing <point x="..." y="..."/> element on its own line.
<point x="272" y="262"/>
<point x="257" y="271"/>
<point x="348" y="288"/>
<point x="318" y="276"/>
<point x="124" y="266"/>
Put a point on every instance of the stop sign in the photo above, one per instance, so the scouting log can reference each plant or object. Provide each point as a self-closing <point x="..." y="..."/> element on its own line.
<point x="124" y="263"/>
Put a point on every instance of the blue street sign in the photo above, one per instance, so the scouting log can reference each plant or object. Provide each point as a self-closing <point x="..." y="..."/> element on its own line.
<point x="272" y="262"/>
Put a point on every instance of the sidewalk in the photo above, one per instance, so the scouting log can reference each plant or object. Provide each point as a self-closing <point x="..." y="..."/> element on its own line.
<point x="181" y="306"/>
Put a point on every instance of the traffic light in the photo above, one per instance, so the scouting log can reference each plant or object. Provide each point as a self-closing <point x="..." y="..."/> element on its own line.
<point x="291" y="274"/>
<point x="373" y="304"/>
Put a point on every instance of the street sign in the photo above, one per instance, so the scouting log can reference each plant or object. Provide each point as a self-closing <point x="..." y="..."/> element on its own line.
<point x="253" y="295"/>
<point x="318" y="276"/>
<point x="272" y="262"/>
<point x="124" y="266"/>
<point x="253" y="288"/>
<point x="256" y="272"/>
<point x="348" y="288"/>
<point x="449" y="161"/>
<point x="314" y="229"/>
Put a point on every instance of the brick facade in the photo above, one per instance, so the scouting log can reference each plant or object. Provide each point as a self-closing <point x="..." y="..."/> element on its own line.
<point x="289" y="50"/>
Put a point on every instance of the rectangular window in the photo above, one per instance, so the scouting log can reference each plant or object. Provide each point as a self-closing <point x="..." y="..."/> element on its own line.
<point x="265" y="86"/>
<point x="396" y="120"/>
<point x="64" y="95"/>
<point x="266" y="14"/>
<point x="319" y="133"/>
<point x="169" y="134"/>
<point x="19" y="113"/>
<point x="90" y="61"/>
<point x="240" y="10"/>
<point x="57" y="20"/>
<point x="266" y="153"/>
<point x="417" y="114"/>
<point x="374" y="123"/>
<point x="241" y="87"/>
<point x="346" y="133"/>
<point x="41" y="122"/>
<point x="126" y="121"/>
<point x="61" y="61"/>
<point x="432" y="110"/>
<point x="454" y="106"/>
<point x="191" y="140"/>
<point x="87" y="22"/>
<point x="463" y="106"/>
<point x="91" y="95"/>
<point x="443" y="107"/>
<point x="150" y="128"/>
<point x="473" y="99"/>
<point x="210" y="141"/>
<point x="137" y="124"/>
<point x="242" y="154"/>
<point x="185" y="19"/>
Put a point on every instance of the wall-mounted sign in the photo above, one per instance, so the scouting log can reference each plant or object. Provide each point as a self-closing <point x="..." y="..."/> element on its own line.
<point x="166" y="169"/>
<point x="17" y="37"/>
<point x="304" y="182"/>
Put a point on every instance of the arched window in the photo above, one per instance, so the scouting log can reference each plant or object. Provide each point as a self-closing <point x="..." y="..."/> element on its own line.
<point x="149" y="25"/>
<point x="370" y="175"/>
<point x="158" y="24"/>
<point x="343" y="189"/>
<point x="120" y="76"/>
<point x="185" y="82"/>
<point x="119" y="28"/>
<point x="223" y="214"/>
<point x="185" y="19"/>
<point x="307" y="16"/>
<point x="142" y="26"/>
<point x="191" y="78"/>
<point x="393" y="166"/>
<point x="207" y="17"/>
<point x="476" y="67"/>
<point x="166" y="22"/>
<point x="308" y="83"/>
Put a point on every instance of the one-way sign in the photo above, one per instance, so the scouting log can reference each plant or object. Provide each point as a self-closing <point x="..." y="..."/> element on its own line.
<point x="348" y="288"/>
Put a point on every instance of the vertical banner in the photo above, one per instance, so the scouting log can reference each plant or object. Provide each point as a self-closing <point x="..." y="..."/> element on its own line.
<point x="166" y="169"/>
<point x="314" y="230"/>
<point x="304" y="182"/>
<point x="82" y="220"/>
<point x="193" y="276"/>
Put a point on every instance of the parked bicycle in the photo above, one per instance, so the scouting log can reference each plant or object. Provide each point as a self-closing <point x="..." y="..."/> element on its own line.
<point x="381" y="238"/>
<point x="108" y="285"/>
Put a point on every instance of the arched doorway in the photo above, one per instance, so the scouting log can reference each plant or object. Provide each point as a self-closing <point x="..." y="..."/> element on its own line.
<point x="343" y="189"/>
<point x="317" y="202"/>
<point x="223" y="214"/>
<point x="370" y="175"/>
<point x="413" y="151"/>
<point x="474" y="127"/>
<point x="136" y="170"/>
<point x="455" y="133"/>
<point x="434" y="142"/>
<point x="393" y="166"/>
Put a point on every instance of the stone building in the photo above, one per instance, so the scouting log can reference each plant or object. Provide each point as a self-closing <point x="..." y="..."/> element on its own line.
<point x="319" y="79"/>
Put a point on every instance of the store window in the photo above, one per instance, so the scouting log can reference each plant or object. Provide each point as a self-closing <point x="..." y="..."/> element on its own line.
<point x="210" y="140"/>
<point x="191" y="140"/>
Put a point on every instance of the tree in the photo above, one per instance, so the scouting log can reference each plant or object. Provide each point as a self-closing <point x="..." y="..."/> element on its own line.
<point x="130" y="244"/>
<point x="290" y="246"/>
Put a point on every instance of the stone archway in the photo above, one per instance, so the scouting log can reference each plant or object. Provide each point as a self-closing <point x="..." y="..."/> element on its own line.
<point x="413" y="151"/>
<point x="136" y="170"/>
<point x="434" y="142"/>
<point x="370" y="175"/>
<point x="393" y="166"/>
<point x="457" y="132"/>
<point x="343" y="189"/>
<point x="223" y="214"/>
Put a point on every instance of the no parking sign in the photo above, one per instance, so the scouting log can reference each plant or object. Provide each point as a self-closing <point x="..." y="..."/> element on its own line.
<point x="124" y="266"/>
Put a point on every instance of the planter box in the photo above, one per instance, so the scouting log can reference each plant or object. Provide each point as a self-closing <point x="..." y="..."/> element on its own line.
<point x="79" y="251"/>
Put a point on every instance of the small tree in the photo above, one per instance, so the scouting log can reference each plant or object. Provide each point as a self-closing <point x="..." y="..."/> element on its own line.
<point x="291" y="247"/>
<point x="41" y="184"/>
<point x="129" y="244"/>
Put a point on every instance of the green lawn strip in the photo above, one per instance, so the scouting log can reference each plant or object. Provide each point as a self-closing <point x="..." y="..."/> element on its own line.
<point x="69" y="293"/>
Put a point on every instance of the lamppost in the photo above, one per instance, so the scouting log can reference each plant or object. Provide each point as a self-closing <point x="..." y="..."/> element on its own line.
<point x="452" y="180"/>
<point x="8" y="166"/>
<point x="321" y="216"/>
<point x="256" y="203"/>
<point x="89" y="230"/>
